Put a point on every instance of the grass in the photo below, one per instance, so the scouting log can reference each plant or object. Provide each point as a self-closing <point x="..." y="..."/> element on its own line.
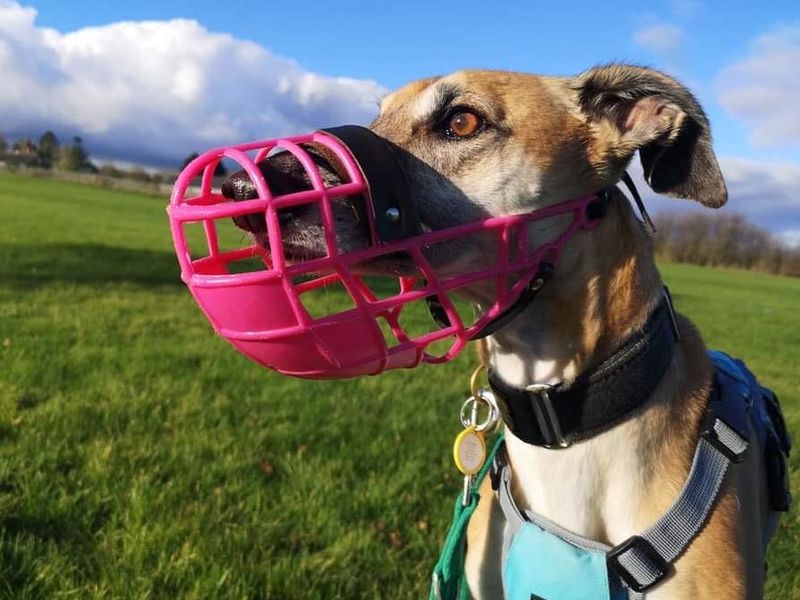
<point x="141" y="457"/>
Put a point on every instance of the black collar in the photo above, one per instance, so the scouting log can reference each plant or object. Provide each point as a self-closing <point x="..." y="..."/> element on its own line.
<point x="559" y="415"/>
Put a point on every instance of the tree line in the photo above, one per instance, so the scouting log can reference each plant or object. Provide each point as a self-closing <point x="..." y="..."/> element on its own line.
<point x="47" y="153"/>
<point x="723" y="240"/>
<point x="50" y="153"/>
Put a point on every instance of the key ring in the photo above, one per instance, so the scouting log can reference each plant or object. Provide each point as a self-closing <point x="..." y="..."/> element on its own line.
<point x="470" y="411"/>
<point x="473" y="380"/>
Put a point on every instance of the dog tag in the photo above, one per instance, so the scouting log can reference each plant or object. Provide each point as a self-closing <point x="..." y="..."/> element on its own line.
<point x="469" y="451"/>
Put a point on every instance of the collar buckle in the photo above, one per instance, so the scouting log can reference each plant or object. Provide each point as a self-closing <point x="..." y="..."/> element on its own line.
<point x="546" y="416"/>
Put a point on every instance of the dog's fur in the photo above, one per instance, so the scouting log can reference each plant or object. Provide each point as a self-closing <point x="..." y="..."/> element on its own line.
<point x="547" y="140"/>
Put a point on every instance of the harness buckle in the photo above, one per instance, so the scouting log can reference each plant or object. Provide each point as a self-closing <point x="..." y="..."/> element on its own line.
<point x="726" y="439"/>
<point x="546" y="416"/>
<point x="725" y="425"/>
<point x="645" y="560"/>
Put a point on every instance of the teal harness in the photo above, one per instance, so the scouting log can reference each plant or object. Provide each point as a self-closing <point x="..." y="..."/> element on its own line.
<point x="543" y="561"/>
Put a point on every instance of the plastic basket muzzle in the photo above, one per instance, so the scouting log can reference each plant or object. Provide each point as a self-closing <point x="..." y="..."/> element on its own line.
<point x="264" y="312"/>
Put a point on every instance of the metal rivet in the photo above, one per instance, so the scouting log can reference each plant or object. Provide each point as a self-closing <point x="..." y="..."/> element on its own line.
<point x="392" y="214"/>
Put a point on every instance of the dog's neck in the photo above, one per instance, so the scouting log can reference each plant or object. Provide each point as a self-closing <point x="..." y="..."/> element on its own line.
<point x="606" y="285"/>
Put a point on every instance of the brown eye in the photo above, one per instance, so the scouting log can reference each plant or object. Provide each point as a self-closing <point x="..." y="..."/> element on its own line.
<point x="463" y="124"/>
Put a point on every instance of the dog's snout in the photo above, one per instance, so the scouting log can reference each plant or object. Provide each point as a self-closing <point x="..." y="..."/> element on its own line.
<point x="284" y="174"/>
<point x="239" y="186"/>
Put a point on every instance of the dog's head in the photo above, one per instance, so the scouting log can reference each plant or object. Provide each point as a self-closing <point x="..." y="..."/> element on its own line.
<point x="485" y="143"/>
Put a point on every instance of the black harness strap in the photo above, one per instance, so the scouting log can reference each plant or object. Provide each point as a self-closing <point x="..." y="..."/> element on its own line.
<point x="557" y="416"/>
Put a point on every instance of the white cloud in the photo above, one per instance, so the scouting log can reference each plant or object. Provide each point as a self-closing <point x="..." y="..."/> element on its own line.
<point x="661" y="38"/>
<point x="154" y="90"/>
<point x="762" y="90"/>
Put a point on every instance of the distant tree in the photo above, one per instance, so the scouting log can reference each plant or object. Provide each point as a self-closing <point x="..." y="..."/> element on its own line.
<point x="164" y="177"/>
<point x="139" y="174"/>
<point x="189" y="159"/>
<point x="23" y="146"/>
<point x="723" y="240"/>
<point x="110" y="170"/>
<point x="74" y="157"/>
<point x="3" y="144"/>
<point x="48" y="149"/>
<point x="219" y="171"/>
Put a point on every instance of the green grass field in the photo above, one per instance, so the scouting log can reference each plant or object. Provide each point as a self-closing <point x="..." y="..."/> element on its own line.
<point x="142" y="457"/>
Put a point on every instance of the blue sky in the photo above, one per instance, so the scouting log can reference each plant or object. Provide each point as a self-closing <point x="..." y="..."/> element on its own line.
<point x="395" y="42"/>
<point x="738" y="57"/>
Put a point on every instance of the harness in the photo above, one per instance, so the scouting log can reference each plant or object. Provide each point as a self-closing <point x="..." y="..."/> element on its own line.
<point x="544" y="561"/>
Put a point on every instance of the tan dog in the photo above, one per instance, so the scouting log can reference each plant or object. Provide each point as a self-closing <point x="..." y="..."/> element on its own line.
<point x="478" y="143"/>
<point x="512" y="142"/>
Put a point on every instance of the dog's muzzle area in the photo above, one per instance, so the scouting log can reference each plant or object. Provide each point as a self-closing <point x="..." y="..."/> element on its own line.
<point x="301" y="226"/>
<point x="335" y="208"/>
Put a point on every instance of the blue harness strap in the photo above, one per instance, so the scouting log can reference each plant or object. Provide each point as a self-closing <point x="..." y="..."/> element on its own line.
<point x="543" y="560"/>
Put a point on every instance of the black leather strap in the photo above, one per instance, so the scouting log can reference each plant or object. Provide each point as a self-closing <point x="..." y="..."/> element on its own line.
<point x="557" y="416"/>
<point x="388" y="188"/>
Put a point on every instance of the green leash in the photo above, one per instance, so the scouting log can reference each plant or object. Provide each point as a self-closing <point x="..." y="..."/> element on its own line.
<point x="447" y="581"/>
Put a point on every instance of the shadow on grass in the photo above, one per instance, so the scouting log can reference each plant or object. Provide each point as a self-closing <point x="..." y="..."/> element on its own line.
<point x="21" y="572"/>
<point x="27" y="266"/>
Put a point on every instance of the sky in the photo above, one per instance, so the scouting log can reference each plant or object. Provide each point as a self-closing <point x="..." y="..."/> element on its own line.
<point x="150" y="81"/>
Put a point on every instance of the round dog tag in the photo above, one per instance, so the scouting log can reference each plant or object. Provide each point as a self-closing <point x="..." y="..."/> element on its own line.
<point x="469" y="451"/>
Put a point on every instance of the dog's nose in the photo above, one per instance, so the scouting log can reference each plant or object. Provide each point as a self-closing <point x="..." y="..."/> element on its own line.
<point x="239" y="186"/>
<point x="284" y="174"/>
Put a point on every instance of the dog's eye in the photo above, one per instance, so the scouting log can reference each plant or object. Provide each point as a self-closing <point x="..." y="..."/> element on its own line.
<point x="462" y="124"/>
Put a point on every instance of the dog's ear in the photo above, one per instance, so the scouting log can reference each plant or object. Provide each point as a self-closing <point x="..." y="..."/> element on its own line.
<point x="651" y="112"/>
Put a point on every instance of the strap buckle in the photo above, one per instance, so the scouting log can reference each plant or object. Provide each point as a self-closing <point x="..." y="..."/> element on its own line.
<point x="546" y="416"/>
<point x="645" y="559"/>
<point x="726" y="439"/>
<point x="726" y="424"/>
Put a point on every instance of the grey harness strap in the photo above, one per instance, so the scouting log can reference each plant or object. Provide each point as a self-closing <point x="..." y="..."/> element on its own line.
<point x="644" y="560"/>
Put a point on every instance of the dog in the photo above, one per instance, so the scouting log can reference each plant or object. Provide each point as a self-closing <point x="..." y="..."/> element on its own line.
<point x="477" y="143"/>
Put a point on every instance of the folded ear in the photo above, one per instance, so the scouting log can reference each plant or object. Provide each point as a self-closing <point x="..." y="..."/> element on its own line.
<point x="642" y="109"/>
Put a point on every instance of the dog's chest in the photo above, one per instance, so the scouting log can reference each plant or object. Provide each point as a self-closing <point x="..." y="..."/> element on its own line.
<point x="593" y="488"/>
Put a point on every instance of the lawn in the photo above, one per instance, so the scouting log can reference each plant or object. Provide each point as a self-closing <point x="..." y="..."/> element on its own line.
<point x="142" y="457"/>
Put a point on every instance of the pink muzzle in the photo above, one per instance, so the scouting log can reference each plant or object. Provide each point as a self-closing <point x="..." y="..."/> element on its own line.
<point x="268" y="312"/>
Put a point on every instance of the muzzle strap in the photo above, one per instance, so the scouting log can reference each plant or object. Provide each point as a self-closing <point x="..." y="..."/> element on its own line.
<point x="394" y="210"/>
<point x="595" y="211"/>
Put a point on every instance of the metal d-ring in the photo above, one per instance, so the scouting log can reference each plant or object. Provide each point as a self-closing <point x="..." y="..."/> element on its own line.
<point x="471" y="408"/>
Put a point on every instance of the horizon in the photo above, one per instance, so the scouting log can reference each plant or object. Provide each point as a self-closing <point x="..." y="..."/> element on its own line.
<point x="149" y="84"/>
